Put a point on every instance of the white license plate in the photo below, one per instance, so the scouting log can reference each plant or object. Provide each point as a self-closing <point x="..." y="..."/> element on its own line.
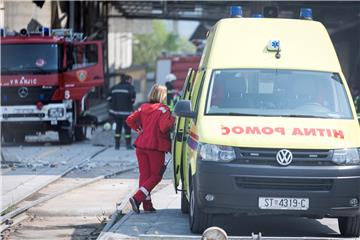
<point x="284" y="203"/>
<point x="26" y="110"/>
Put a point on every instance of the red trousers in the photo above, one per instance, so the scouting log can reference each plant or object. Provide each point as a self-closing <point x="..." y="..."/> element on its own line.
<point x="150" y="165"/>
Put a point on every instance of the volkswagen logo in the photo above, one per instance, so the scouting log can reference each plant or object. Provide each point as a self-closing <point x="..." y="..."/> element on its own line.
<point x="284" y="157"/>
<point x="23" y="92"/>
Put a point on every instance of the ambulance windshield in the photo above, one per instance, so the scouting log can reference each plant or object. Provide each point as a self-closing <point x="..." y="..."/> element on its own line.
<point x="286" y="93"/>
<point x="30" y="58"/>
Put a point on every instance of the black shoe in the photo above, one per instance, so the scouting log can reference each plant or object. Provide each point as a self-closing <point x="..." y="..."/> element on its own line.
<point x="134" y="204"/>
<point x="129" y="147"/>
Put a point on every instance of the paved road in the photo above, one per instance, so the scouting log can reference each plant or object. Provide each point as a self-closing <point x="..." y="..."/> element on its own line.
<point x="31" y="166"/>
<point x="170" y="223"/>
<point x="79" y="213"/>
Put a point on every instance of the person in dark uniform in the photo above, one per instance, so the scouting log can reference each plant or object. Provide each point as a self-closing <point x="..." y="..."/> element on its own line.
<point x="121" y="100"/>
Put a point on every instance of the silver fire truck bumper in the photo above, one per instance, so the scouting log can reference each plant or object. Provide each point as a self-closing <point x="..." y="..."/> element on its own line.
<point x="30" y="113"/>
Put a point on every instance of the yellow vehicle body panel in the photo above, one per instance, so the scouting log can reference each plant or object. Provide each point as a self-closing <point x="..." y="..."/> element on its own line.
<point x="241" y="43"/>
<point x="275" y="132"/>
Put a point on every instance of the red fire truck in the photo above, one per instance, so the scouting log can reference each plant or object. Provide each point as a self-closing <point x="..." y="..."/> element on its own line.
<point x="45" y="80"/>
<point x="177" y="65"/>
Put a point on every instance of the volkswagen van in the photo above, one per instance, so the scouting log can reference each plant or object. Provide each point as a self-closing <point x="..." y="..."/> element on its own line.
<point x="267" y="126"/>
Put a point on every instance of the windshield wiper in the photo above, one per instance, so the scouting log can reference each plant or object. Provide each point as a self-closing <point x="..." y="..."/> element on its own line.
<point x="303" y="115"/>
<point x="235" y="114"/>
<point x="35" y="69"/>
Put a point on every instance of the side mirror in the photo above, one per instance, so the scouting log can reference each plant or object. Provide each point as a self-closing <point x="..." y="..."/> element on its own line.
<point x="357" y="107"/>
<point x="183" y="109"/>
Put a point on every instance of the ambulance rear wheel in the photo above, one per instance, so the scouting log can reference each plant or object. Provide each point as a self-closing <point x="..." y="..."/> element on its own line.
<point x="349" y="226"/>
<point x="66" y="136"/>
<point x="184" y="203"/>
<point x="198" y="220"/>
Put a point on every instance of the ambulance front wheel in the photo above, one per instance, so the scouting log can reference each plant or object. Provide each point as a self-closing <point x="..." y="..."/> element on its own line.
<point x="198" y="220"/>
<point x="349" y="226"/>
<point x="184" y="203"/>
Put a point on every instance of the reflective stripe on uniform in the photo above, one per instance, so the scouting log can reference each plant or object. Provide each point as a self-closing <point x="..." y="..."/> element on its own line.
<point x="120" y="91"/>
<point x="127" y="136"/>
<point x="162" y="109"/>
<point x="145" y="192"/>
<point x="119" y="112"/>
<point x="117" y="135"/>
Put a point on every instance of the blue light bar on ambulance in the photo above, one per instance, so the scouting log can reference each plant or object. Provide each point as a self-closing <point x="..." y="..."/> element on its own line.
<point x="306" y="13"/>
<point x="45" y="31"/>
<point x="236" y="11"/>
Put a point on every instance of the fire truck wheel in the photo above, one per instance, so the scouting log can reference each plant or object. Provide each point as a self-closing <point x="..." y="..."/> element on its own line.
<point x="80" y="133"/>
<point x="66" y="136"/>
<point x="8" y="138"/>
<point x="19" y="137"/>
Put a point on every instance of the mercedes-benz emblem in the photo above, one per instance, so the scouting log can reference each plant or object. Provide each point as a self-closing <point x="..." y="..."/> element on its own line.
<point x="284" y="157"/>
<point x="23" y="92"/>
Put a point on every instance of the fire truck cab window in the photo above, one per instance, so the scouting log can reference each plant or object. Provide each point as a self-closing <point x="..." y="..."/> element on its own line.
<point x="83" y="56"/>
<point x="30" y="58"/>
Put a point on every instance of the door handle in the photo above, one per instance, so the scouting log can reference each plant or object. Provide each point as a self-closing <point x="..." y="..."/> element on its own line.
<point x="97" y="77"/>
<point x="179" y="137"/>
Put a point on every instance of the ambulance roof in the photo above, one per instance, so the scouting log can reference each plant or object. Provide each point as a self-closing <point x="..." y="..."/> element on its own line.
<point x="242" y="43"/>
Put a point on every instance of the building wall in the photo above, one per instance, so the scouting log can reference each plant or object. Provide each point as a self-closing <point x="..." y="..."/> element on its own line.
<point x="121" y="39"/>
<point x="2" y="13"/>
<point x="18" y="14"/>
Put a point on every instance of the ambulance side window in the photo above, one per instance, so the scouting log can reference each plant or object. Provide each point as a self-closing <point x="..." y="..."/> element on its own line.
<point x="199" y="92"/>
<point x="188" y="87"/>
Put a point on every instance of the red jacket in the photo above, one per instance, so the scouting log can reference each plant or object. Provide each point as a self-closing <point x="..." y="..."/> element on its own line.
<point x="152" y="121"/>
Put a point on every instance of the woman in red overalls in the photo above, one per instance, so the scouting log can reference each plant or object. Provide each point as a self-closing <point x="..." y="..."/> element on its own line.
<point x="152" y="121"/>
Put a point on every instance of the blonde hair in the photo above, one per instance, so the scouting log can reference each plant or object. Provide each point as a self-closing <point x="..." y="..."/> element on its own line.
<point x="157" y="93"/>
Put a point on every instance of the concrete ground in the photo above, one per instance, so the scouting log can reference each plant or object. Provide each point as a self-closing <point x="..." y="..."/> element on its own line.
<point x="169" y="223"/>
<point x="33" y="165"/>
<point x="82" y="212"/>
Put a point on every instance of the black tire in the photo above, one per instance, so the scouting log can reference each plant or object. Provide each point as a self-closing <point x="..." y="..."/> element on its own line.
<point x="66" y="136"/>
<point x="349" y="226"/>
<point x="184" y="203"/>
<point x="80" y="133"/>
<point x="8" y="138"/>
<point x="19" y="137"/>
<point x="198" y="220"/>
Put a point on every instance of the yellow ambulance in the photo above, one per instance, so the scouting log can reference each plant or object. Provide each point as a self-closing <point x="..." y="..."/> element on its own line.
<point x="267" y="125"/>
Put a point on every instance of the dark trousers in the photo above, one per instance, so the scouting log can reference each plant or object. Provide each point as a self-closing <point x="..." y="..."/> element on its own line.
<point x="120" y="122"/>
